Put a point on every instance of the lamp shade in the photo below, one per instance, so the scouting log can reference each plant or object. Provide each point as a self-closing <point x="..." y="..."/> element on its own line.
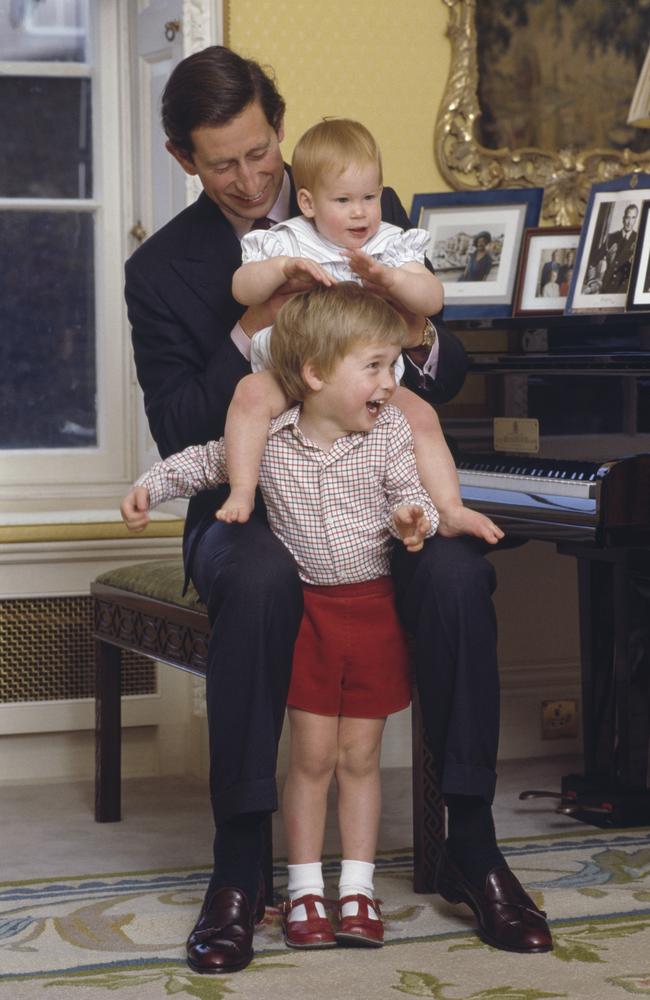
<point x="639" y="113"/>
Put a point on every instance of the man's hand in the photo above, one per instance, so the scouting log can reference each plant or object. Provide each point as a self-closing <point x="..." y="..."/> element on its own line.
<point x="412" y="524"/>
<point x="460" y="520"/>
<point x="134" y="509"/>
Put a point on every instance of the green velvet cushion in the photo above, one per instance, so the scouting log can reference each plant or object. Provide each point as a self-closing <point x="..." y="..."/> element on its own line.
<point x="163" y="580"/>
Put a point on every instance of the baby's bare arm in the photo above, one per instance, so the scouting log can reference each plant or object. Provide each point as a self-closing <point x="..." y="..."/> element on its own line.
<point x="255" y="281"/>
<point x="411" y="285"/>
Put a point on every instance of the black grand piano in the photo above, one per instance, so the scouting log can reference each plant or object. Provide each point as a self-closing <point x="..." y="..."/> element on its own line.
<point x="587" y="490"/>
<point x="602" y="502"/>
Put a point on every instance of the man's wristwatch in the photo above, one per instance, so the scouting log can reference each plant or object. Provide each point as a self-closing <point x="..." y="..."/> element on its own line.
<point x="420" y="353"/>
<point x="428" y="335"/>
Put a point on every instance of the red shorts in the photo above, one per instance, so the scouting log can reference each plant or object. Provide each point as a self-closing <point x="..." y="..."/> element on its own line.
<point x="350" y="656"/>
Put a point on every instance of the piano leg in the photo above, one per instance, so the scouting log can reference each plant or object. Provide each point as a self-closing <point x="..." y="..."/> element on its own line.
<point x="614" y="602"/>
<point x="597" y="661"/>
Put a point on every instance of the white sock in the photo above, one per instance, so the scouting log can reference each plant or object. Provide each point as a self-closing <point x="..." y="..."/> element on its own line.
<point x="356" y="878"/>
<point x="305" y="880"/>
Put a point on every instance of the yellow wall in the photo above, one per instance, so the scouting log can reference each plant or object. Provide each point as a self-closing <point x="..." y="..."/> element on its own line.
<point x="382" y="62"/>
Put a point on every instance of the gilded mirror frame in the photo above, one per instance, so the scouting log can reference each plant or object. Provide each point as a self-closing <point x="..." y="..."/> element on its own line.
<point x="566" y="174"/>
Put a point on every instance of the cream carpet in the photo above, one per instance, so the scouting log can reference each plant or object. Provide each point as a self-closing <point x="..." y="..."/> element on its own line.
<point x="88" y="938"/>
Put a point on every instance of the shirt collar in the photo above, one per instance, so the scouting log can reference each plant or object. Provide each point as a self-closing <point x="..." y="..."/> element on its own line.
<point x="280" y="210"/>
<point x="287" y="419"/>
<point x="291" y="417"/>
<point x="277" y="213"/>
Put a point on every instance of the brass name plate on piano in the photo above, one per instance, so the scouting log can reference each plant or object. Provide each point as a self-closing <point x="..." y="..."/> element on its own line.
<point x="517" y="434"/>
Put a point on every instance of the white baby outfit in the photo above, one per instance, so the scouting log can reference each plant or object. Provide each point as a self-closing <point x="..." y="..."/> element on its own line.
<point x="298" y="237"/>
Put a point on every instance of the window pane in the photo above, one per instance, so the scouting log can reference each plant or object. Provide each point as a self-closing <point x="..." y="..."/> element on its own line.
<point x="45" y="137"/>
<point x="47" y="325"/>
<point x="43" y="30"/>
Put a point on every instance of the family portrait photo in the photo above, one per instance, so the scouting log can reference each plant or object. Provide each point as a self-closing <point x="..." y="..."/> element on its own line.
<point x="546" y="269"/>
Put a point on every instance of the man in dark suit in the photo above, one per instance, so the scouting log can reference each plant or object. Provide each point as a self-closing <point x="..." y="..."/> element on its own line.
<point x="618" y="252"/>
<point x="224" y="120"/>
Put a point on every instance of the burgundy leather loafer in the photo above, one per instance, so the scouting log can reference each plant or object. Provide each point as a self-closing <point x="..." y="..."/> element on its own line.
<point x="222" y="938"/>
<point x="506" y="915"/>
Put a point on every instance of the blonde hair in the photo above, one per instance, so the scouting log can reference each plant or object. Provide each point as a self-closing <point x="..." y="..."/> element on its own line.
<point x="332" y="146"/>
<point x="322" y="326"/>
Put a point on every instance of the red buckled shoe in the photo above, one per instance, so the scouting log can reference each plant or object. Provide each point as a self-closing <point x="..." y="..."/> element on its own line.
<point x="314" y="931"/>
<point x="361" y="929"/>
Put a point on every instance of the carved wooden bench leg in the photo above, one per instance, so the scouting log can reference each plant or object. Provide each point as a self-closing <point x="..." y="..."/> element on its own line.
<point x="108" y="735"/>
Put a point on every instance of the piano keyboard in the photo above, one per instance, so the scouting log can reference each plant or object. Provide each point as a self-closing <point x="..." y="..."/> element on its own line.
<point x="534" y="497"/>
<point x="527" y="484"/>
<point x="542" y="468"/>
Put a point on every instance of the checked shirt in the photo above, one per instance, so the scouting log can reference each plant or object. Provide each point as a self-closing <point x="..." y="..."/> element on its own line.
<point x="333" y="510"/>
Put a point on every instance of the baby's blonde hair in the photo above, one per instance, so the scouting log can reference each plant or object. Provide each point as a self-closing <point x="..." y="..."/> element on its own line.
<point x="325" y="324"/>
<point x="332" y="146"/>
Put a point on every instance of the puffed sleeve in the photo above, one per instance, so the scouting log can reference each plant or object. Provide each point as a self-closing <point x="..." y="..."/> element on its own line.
<point x="262" y="244"/>
<point x="407" y="247"/>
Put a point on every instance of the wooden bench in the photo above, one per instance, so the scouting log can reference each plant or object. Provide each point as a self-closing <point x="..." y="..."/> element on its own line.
<point x="141" y="608"/>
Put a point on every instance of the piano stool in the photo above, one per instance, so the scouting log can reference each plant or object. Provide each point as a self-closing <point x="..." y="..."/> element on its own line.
<point x="142" y="608"/>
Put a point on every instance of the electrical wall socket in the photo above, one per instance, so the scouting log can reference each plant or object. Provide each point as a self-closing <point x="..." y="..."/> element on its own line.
<point x="559" y="719"/>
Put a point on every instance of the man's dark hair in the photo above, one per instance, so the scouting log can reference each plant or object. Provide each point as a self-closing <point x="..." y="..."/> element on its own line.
<point x="211" y="87"/>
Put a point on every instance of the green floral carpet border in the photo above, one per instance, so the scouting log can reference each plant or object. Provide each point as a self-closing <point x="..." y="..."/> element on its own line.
<point x="85" y="938"/>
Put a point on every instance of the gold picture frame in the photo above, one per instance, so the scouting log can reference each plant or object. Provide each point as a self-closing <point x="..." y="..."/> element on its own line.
<point x="566" y="174"/>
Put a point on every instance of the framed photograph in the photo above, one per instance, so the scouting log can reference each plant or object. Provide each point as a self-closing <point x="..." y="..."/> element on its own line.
<point x="475" y="241"/>
<point x="607" y="246"/>
<point x="547" y="262"/>
<point x="638" y="293"/>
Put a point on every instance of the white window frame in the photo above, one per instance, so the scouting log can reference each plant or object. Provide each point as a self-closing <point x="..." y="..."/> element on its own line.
<point x="45" y="477"/>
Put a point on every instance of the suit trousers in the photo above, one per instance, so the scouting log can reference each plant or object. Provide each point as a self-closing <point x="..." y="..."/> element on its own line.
<point x="444" y="598"/>
<point x="249" y="583"/>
